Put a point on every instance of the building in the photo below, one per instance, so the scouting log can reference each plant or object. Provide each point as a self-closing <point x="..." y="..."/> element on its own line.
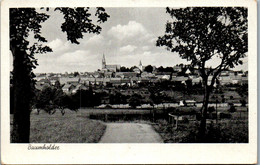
<point x="112" y="68"/>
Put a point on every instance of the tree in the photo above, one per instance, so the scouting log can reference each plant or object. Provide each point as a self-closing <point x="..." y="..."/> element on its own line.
<point x="45" y="99"/>
<point x="232" y="109"/>
<point x="75" y="74"/>
<point x="243" y="102"/>
<point x="124" y="69"/>
<point x="148" y="68"/>
<point x="201" y="34"/>
<point x="135" y="100"/>
<point x="23" y="21"/>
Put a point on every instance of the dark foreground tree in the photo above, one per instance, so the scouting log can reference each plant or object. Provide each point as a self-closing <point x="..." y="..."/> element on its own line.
<point x="135" y="100"/>
<point x="201" y="34"/>
<point x="23" y="21"/>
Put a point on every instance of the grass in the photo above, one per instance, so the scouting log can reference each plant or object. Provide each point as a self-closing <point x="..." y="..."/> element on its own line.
<point x="226" y="131"/>
<point x="71" y="128"/>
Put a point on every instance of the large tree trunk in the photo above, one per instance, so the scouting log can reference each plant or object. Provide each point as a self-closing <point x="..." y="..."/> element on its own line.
<point x="22" y="95"/>
<point x="204" y="111"/>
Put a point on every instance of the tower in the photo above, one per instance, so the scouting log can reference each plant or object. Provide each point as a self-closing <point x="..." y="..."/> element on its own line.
<point x="140" y="66"/>
<point x="103" y="62"/>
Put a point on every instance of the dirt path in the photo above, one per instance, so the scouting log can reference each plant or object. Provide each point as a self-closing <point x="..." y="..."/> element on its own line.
<point x="130" y="133"/>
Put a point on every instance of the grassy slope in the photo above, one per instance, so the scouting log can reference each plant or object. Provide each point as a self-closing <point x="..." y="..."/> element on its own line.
<point x="71" y="128"/>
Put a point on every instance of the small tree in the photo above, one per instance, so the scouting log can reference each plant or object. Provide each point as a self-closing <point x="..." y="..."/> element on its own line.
<point x="201" y="34"/>
<point x="135" y="100"/>
<point x="243" y="102"/>
<point x="232" y="109"/>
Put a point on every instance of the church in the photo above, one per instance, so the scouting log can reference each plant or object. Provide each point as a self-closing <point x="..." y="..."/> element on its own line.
<point x="116" y="68"/>
<point x="110" y="68"/>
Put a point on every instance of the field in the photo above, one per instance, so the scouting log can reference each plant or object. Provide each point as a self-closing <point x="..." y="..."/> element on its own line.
<point x="86" y="126"/>
<point x="71" y="128"/>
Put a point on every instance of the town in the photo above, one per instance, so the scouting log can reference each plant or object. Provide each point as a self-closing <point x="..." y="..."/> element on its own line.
<point x="116" y="79"/>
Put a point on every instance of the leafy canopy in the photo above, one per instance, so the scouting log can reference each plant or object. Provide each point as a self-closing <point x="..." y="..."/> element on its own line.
<point x="201" y="33"/>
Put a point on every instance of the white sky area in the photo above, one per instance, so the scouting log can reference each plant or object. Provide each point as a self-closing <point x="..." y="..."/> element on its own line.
<point x="127" y="37"/>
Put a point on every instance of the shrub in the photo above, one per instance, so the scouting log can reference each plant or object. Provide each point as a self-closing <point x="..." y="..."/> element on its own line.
<point x="226" y="132"/>
<point x="232" y="109"/>
<point x="211" y="109"/>
<point x="243" y="103"/>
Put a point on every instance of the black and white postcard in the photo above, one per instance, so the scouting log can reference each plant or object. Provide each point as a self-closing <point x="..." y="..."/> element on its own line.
<point x="128" y="81"/>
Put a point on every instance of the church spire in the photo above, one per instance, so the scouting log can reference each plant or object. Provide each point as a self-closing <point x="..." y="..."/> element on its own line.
<point x="140" y="66"/>
<point x="103" y="62"/>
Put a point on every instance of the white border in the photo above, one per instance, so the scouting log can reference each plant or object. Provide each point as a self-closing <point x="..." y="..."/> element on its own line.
<point x="130" y="153"/>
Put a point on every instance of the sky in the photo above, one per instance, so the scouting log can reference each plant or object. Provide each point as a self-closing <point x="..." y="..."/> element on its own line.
<point x="128" y="37"/>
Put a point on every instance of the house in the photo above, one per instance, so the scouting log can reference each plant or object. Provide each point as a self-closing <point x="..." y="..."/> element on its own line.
<point x="196" y="80"/>
<point x="163" y="75"/>
<point x="79" y="87"/>
<point x="130" y="74"/>
<point x="53" y="80"/>
<point x="137" y="70"/>
<point x="187" y="103"/>
<point x="44" y="81"/>
<point x="40" y="76"/>
<point x="69" y="80"/>
<point x="41" y="86"/>
<point x="181" y="79"/>
<point x="177" y="68"/>
<point x="115" y="81"/>
<point x="225" y="80"/>
<point x="67" y="88"/>
<point x="188" y="72"/>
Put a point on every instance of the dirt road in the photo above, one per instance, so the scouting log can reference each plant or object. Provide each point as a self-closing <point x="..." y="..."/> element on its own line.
<point x="130" y="133"/>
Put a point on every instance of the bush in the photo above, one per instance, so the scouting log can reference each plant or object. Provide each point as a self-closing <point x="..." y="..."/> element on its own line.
<point x="232" y="109"/>
<point x="243" y="103"/>
<point x="211" y="109"/>
<point x="227" y="132"/>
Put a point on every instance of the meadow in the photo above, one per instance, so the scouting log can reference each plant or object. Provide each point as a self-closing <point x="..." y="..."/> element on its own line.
<point x="73" y="127"/>
<point x="87" y="125"/>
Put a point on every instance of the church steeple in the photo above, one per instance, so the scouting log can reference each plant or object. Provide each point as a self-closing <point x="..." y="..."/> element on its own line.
<point x="103" y="62"/>
<point x="140" y="66"/>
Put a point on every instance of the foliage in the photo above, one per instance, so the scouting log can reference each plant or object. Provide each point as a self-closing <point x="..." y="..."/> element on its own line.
<point x="200" y="34"/>
<point x="148" y="68"/>
<point x="211" y="109"/>
<point x="227" y="131"/>
<point x="118" y="98"/>
<point x="23" y="21"/>
<point x="135" y="100"/>
<point x="167" y="69"/>
<point x="243" y="102"/>
<point x="52" y="98"/>
<point x="86" y="98"/>
<point x="242" y="90"/>
<point x="125" y="69"/>
<point x="232" y="109"/>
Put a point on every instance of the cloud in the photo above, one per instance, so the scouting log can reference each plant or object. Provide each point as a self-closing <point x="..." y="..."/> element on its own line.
<point x="76" y="57"/>
<point x="95" y="39"/>
<point x="132" y="30"/>
<point x="59" y="45"/>
<point x="128" y="48"/>
<point x="145" y="48"/>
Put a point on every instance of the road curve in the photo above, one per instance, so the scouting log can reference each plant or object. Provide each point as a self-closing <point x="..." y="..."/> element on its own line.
<point x="130" y="133"/>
